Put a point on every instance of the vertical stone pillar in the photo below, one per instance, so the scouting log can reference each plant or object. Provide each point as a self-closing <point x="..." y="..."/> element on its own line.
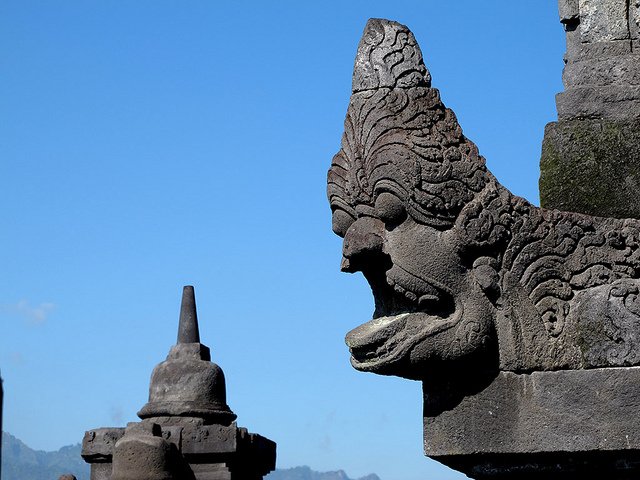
<point x="591" y="156"/>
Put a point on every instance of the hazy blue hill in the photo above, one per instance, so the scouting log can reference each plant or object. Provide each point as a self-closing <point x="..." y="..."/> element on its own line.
<point x="19" y="462"/>
<point x="305" y="473"/>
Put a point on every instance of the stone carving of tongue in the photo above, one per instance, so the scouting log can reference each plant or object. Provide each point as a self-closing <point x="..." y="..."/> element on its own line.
<point x="388" y="57"/>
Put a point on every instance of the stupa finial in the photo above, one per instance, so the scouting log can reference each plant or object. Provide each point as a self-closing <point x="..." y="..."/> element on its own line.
<point x="188" y="331"/>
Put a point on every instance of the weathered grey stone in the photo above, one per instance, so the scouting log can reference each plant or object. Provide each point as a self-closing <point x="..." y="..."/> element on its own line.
<point x="187" y="429"/>
<point x="476" y="288"/>
<point x="603" y="20"/>
<point x="98" y="444"/>
<point x="142" y="454"/>
<point x="569" y="11"/>
<point x="601" y="35"/>
<point x="406" y="58"/>
<point x="613" y="102"/>
<point x="211" y="438"/>
<point x="588" y="415"/>
<point x="187" y="384"/>
<point x="459" y="266"/>
<point x="592" y="167"/>
<point x="188" y="330"/>
<point x="67" y="476"/>
<point x="590" y="157"/>
<point x="623" y="70"/>
<point x="580" y="52"/>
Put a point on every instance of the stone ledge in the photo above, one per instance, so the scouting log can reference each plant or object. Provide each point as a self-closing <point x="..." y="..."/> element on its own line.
<point x="622" y="70"/>
<point x="619" y="102"/>
<point x="540" y="422"/>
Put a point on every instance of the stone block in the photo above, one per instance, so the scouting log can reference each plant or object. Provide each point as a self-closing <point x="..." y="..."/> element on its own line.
<point x="634" y="19"/>
<point x="606" y="102"/>
<point x="574" y="47"/>
<point x="603" y="20"/>
<point x="99" y="443"/>
<point x="623" y="70"/>
<point x="589" y="51"/>
<point x="569" y="10"/>
<point x="543" y="423"/>
<point x="209" y="440"/>
<point x="173" y="434"/>
<point x="101" y="471"/>
<point x="217" y="471"/>
<point x="591" y="167"/>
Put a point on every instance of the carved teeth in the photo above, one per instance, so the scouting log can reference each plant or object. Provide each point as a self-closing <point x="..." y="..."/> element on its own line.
<point x="398" y="288"/>
<point x="411" y="296"/>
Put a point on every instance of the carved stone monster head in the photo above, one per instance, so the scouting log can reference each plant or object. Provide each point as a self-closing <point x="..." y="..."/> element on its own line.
<point x="397" y="188"/>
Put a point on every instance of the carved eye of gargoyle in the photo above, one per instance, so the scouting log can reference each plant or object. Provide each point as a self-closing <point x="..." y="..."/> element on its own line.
<point x="486" y="275"/>
<point x="341" y="221"/>
<point x="390" y="209"/>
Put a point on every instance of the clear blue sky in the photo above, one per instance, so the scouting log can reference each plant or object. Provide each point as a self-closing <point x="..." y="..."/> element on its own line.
<point x="151" y="144"/>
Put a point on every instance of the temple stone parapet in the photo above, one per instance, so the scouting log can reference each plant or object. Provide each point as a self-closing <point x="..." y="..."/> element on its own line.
<point x="188" y="431"/>
<point x="591" y="156"/>
<point x="602" y="67"/>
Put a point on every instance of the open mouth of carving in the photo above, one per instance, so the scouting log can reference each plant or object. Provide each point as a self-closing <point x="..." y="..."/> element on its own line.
<point x="407" y="310"/>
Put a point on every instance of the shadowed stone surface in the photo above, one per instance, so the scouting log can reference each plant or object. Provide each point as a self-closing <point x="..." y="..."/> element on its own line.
<point x="478" y="293"/>
<point x="570" y="423"/>
<point x="188" y="432"/>
<point x="590" y="158"/>
<point x="142" y="453"/>
<point x="592" y="167"/>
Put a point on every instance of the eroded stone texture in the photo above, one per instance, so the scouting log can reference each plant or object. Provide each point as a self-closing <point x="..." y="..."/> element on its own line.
<point x="635" y="22"/>
<point x="457" y="264"/>
<point x="592" y="167"/>
<point x="601" y="74"/>
<point x="594" y="145"/>
<point x="142" y="453"/>
<point x="567" y="424"/>
<point x="603" y="20"/>
<point x="470" y="282"/>
<point x="187" y="430"/>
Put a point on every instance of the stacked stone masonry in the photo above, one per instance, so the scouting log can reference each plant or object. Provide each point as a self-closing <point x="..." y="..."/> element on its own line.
<point x="591" y="157"/>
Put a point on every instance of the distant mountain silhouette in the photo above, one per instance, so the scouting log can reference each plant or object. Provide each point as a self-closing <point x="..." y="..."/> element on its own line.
<point x="305" y="473"/>
<point x="19" y="462"/>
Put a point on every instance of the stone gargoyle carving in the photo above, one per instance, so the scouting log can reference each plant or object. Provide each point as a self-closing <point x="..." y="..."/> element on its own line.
<point x="464" y="273"/>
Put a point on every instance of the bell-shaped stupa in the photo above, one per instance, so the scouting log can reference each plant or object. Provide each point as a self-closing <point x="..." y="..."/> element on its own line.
<point x="187" y="383"/>
<point x="188" y="431"/>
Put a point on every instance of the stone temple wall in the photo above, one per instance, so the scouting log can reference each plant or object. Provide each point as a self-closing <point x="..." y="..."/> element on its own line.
<point x="591" y="157"/>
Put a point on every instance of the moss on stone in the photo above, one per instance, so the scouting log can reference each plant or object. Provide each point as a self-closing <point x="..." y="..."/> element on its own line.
<point x="592" y="167"/>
